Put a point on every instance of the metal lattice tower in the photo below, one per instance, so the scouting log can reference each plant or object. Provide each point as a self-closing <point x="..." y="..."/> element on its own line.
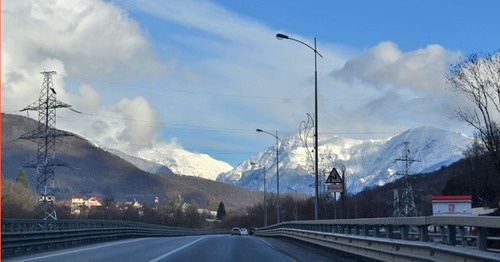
<point x="406" y="207"/>
<point x="45" y="135"/>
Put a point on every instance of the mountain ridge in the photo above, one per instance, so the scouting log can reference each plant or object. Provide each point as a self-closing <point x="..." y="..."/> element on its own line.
<point x="96" y="171"/>
<point x="368" y="162"/>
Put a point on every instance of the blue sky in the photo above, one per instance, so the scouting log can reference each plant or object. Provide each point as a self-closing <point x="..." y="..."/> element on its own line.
<point x="203" y="75"/>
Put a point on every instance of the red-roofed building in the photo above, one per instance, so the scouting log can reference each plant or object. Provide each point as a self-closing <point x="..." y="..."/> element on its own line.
<point x="93" y="202"/>
<point x="451" y="205"/>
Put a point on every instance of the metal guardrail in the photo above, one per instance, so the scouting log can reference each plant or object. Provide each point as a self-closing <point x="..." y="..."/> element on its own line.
<point x="24" y="236"/>
<point x="416" y="238"/>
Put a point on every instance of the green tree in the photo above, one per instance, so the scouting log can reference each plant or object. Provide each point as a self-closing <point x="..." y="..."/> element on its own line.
<point x="18" y="201"/>
<point x="192" y="218"/>
<point x="170" y="211"/>
<point x="109" y="197"/>
<point x="22" y="178"/>
<point x="221" y="211"/>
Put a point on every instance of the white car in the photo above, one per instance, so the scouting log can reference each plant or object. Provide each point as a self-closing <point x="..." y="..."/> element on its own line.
<point x="236" y="231"/>
<point x="244" y="232"/>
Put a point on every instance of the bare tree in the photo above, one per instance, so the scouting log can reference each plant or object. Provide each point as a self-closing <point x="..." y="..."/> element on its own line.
<point x="478" y="78"/>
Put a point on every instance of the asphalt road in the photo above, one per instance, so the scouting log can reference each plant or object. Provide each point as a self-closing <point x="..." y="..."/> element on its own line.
<point x="188" y="248"/>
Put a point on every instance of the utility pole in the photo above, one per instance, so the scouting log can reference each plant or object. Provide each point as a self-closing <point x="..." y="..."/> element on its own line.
<point x="395" y="204"/>
<point x="343" y="194"/>
<point x="45" y="135"/>
<point x="407" y="198"/>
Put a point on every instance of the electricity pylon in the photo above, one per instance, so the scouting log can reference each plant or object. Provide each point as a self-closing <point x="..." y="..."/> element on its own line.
<point x="45" y="135"/>
<point x="407" y="202"/>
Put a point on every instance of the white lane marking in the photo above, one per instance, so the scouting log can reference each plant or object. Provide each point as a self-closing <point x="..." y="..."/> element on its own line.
<point x="175" y="250"/>
<point x="267" y="243"/>
<point x="82" y="249"/>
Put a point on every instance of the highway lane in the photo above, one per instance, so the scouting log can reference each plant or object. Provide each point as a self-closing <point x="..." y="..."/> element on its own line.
<point x="187" y="248"/>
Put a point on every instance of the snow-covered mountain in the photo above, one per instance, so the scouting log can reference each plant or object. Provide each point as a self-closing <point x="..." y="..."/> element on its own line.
<point x="367" y="162"/>
<point x="175" y="160"/>
<point x="142" y="164"/>
<point x="187" y="163"/>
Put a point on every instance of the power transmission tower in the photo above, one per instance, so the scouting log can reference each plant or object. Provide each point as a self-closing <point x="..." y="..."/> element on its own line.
<point x="407" y="202"/>
<point x="45" y="135"/>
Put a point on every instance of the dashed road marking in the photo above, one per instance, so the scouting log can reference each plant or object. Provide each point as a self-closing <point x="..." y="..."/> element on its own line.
<point x="175" y="250"/>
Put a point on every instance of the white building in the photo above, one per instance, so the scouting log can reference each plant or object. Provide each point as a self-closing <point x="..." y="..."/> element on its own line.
<point x="451" y="205"/>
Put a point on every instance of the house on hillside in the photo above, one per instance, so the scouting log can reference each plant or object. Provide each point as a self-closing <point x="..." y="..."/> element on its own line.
<point x="50" y="198"/>
<point x="184" y="207"/>
<point x="80" y="202"/>
<point x="92" y="202"/>
<point x="132" y="204"/>
<point x="136" y="204"/>
<point x="209" y="213"/>
<point x="77" y="203"/>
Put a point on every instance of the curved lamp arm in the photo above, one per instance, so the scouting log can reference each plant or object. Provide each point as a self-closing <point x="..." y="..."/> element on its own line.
<point x="282" y="36"/>
<point x="263" y="131"/>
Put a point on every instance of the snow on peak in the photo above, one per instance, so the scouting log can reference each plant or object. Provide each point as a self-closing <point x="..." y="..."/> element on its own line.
<point x="368" y="162"/>
<point x="171" y="158"/>
<point x="183" y="162"/>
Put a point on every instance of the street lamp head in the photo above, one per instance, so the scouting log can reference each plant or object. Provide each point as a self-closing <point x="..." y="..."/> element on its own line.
<point x="281" y="36"/>
<point x="259" y="130"/>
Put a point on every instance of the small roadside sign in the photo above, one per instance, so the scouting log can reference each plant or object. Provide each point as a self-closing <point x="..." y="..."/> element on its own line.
<point x="334" y="177"/>
<point x="332" y="188"/>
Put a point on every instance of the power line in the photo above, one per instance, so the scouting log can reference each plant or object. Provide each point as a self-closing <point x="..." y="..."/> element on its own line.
<point x="155" y="123"/>
<point x="170" y="125"/>
<point x="242" y="96"/>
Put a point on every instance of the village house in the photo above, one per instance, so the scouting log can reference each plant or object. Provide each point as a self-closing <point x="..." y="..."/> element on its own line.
<point x="208" y="212"/>
<point x="79" y="202"/>
<point x="50" y="198"/>
<point x="134" y="204"/>
<point x="93" y="202"/>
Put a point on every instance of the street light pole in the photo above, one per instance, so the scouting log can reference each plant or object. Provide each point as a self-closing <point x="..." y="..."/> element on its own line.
<point x="277" y="172"/>
<point x="265" y="200"/>
<point x="316" y="202"/>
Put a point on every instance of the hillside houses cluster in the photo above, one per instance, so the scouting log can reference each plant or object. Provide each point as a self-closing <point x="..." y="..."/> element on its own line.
<point x="81" y="203"/>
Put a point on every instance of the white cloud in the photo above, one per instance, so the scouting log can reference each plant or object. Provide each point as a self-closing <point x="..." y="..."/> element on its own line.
<point x="83" y="38"/>
<point x="142" y="127"/>
<point x="128" y="126"/>
<point x="397" y="90"/>
<point x="233" y="73"/>
<point x="88" y="39"/>
<point x="421" y="70"/>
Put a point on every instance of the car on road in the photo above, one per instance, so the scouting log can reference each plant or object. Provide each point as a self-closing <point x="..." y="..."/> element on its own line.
<point x="236" y="231"/>
<point x="243" y="232"/>
<point x="252" y="231"/>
